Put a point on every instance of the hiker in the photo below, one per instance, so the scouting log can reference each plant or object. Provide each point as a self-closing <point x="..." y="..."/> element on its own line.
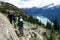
<point x="10" y="17"/>
<point x="20" y="25"/>
<point x="14" y="19"/>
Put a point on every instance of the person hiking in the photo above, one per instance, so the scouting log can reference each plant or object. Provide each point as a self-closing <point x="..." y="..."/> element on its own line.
<point x="10" y="17"/>
<point x="20" y="25"/>
<point x="14" y="20"/>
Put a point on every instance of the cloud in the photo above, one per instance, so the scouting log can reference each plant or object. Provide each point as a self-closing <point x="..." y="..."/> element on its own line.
<point x="38" y="3"/>
<point x="2" y="0"/>
<point x="33" y="3"/>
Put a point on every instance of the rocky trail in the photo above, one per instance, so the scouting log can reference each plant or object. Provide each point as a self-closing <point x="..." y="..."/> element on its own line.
<point x="28" y="31"/>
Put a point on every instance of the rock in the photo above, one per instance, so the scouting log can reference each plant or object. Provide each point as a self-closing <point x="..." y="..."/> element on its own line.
<point x="6" y="29"/>
<point x="23" y="38"/>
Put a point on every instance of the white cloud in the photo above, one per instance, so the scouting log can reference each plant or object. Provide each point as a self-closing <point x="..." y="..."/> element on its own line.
<point x="33" y="3"/>
<point x="2" y="0"/>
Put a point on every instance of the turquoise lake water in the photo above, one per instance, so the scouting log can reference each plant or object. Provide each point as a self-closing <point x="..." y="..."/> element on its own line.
<point x="42" y="19"/>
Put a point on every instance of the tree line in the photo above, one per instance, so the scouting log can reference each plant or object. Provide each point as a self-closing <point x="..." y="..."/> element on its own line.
<point x="55" y="28"/>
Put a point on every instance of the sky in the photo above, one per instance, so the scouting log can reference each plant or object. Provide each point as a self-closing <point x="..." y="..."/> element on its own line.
<point x="32" y="3"/>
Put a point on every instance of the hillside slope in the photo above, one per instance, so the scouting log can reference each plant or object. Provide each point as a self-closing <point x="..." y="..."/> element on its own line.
<point x="4" y="6"/>
<point x="6" y="30"/>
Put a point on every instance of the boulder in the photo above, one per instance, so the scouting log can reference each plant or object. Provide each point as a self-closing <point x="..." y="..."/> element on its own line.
<point x="6" y="29"/>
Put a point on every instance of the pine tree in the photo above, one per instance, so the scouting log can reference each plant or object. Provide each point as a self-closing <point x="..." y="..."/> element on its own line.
<point x="48" y="25"/>
<point x="52" y="31"/>
<point x="59" y="32"/>
<point x="56" y="24"/>
<point x="52" y="35"/>
<point x="39" y="23"/>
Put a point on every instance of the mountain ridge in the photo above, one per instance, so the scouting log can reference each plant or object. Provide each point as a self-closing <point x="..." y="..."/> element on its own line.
<point x="50" y="13"/>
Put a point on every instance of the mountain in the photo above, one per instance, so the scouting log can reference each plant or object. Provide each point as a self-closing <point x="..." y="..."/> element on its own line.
<point x="47" y="11"/>
<point x="4" y="6"/>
